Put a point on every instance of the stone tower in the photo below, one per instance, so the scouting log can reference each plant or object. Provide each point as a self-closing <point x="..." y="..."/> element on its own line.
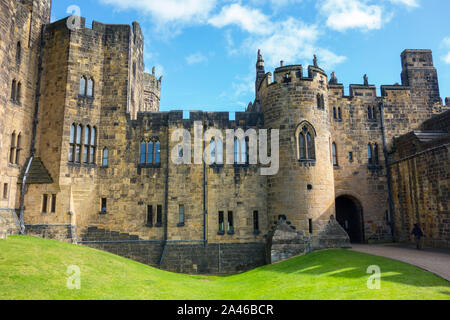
<point x="303" y="190"/>
<point x="419" y="73"/>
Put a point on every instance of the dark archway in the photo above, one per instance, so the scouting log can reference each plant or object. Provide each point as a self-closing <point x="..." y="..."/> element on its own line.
<point x="349" y="214"/>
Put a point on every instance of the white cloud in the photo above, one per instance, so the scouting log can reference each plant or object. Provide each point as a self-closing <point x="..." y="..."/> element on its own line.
<point x="408" y="3"/>
<point x="446" y="58"/>
<point x="196" y="58"/>
<point x="166" y="11"/>
<point x="349" y="14"/>
<point x="446" y="45"/>
<point x="250" y="20"/>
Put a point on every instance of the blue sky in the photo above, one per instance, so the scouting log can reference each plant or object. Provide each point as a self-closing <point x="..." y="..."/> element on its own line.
<point x="206" y="49"/>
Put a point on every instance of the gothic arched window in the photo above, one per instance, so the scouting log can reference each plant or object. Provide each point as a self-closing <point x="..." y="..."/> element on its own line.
<point x="87" y="138"/>
<point x="12" y="152"/>
<point x="72" y="143"/>
<point x="334" y="153"/>
<point x="305" y="135"/>
<point x="83" y="86"/>
<point x="90" y="88"/>
<point x="18" y="147"/>
<point x="150" y="152"/>
<point x="158" y="152"/>
<point x="78" y="144"/>
<point x="143" y="152"/>
<point x="370" y="154"/>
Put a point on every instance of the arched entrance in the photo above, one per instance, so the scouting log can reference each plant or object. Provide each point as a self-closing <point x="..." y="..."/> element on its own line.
<point x="349" y="214"/>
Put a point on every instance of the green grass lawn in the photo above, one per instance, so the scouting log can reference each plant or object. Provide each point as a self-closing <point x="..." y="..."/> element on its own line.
<point x="32" y="268"/>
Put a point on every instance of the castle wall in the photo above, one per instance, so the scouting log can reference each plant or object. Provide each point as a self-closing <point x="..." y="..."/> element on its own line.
<point x="20" y="21"/>
<point x="421" y="184"/>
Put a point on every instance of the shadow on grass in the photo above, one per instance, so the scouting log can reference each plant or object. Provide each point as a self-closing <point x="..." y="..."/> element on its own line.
<point x="354" y="265"/>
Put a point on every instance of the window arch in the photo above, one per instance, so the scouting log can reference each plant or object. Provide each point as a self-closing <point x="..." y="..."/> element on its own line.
<point x="105" y="157"/>
<point x="83" y="87"/>
<point x="90" y="88"/>
<point x="12" y="152"/>
<point x="334" y="154"/>
<point x="305" y="136"/>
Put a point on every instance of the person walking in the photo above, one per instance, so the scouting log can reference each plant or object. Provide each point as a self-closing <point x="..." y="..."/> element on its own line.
<point x="418" y="234"/>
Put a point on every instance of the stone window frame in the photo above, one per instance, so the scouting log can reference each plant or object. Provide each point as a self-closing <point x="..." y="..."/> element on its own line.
<point x="216" y="153"/>
<point x="105" y="157"/>
<point x="230" y="222"/>
<point x="145" y="146"/>
<point x="182" y="215"/>
<point x="53" y="203"/>
<point x="221" y="223"/>
<point x="149" y="216"/>
<point x="241" y="152"/>
<point x="83" y="144"/>
<point x="372" y="113"/>
<point x="12" y="149"/>
<point x="320" y="100"/>
<point x="305" y="136"/>
<point x="159" y="216"/>
<point x="373" y="151"/>
<point x="19" y="53"/>
<point x="334" y="155"/>
<point x="90" y="87"/>
<point x="16" y="91"/>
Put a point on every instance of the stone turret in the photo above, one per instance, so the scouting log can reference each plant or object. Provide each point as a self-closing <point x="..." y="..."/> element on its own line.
<point x="152" y="92"/>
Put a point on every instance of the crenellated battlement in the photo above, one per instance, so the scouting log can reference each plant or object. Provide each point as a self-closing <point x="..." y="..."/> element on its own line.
<point x="210" y="119"/>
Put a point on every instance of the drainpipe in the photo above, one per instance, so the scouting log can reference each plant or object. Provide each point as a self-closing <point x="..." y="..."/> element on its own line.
<point x="205" y="198"/>
<point x="24" y="188"/>
<point x="388" y="172"/>
<point x="166" y="201"/>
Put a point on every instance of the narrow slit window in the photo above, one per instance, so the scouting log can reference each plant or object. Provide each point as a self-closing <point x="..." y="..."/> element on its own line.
<point x="12" y="152"/>
<point x="150" y="216"/>
<point x="221" y="222"/>
<point x="44" y="203"/>
<point x="104" y="205"/>
<point x="5" y="191"/>
<point x="87" y="138"/>
<point x="159" y="216"/>
<point x="369" y="151"/>
<point x="78" y="144"/>
<point x="255" y="221"/>
<point x="93" y="146"/>
<point x="105" y="159"/>
<point x="150" y="152"/>
<point x="376" y="155"/>
<point x="82" y="86"/>
<point x="158" y="152"/>
<point x="142" y="152"/>
<point x="18" y="148"/>
<point x="90" y="88"/>
<point x="18" y="92"/>
<point x="18" y="53"/>
<point x="310" y="224"/>
<point x="230" y="222"/>
<point x="335" y="158"/>
<point x="13" y="90"/>
<point x="72" y="143"/>
<point x="181" y="215"/>
<point x="53" y="204"/>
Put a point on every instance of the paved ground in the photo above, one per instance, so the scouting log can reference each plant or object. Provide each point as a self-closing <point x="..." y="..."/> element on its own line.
<point x="434" y="260"/>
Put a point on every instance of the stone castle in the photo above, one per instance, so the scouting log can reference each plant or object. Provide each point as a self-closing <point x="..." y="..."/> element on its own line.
<point x="85" y="154"/>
